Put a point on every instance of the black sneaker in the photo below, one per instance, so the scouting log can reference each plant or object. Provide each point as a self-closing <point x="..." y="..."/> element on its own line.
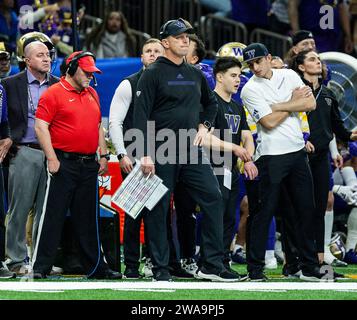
<point x="106" y="275"/>
<point x="316" y="276"/>
<point x="162" y="275"/>
<point x="131" y="273"/>
<point x="291" y="271"/>
<point x="180" y="273"/>
<point x="337" y="275"/>
<point x="228" y="268"/>
<point x="256" y="276"/>
<point x="223" y="276"/>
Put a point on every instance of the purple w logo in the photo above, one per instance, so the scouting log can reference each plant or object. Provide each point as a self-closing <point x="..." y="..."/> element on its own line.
<point x="233" y="122"/>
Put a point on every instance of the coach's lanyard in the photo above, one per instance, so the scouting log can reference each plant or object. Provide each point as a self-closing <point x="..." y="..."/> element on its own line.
<point x="32" y="105"/>
<point x="317" y="96"/>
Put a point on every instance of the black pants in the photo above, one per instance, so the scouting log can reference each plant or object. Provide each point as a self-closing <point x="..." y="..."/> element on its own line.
<point x="229" y="211"/>
<point x="203" y="187"/>
<point x="293" y="171"/>
<point x="2" y="217"/>
<point x="132" y="238"/>
<point x="185" y="221"/>
<point x="319" y="164"/>
<point x="73" y="187"/>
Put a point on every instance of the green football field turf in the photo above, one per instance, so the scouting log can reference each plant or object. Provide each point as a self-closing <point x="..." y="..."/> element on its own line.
<point x="277" y="288"/>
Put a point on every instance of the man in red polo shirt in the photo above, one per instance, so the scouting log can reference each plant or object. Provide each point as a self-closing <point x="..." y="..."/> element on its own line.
<point x="68" y="127"/>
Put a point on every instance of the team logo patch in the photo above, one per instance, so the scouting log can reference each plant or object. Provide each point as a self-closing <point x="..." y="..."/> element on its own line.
<point x="138" y="93"/>
<point x="255" y="115"/>
<point x="251" y="54"/>
<point x="328" y="101"/>
<point x="233" y="122"/>
<point x="179" y="24"/>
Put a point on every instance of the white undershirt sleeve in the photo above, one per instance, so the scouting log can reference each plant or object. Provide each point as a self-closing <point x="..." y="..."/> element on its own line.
<point x="118" y="110"/>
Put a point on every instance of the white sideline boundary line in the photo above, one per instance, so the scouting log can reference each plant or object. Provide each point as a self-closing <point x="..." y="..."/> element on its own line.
<point x="46" y="286"/>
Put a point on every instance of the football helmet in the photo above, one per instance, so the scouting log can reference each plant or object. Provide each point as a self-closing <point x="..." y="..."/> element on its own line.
<point x="337" y="247"/>
<point x="30" y="37"/>
<point x="232" y="49"/>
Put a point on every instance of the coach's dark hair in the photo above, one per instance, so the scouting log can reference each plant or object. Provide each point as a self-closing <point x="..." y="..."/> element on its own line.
<point x="200" y="50"/>
<point x="224" y="63"/>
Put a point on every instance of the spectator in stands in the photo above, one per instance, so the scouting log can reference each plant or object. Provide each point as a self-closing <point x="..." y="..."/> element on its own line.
<point x="253" y="14"/>
<point x="5" y="59"/>
<point x="222" y="8"/>
<point x="305" y="14"/>
<point x="54" y="20"/>
<point x="8" y="22"/>
<point x="112" y="38"/>
<point x="279" y="20"/>
<point x="31" y="19"/>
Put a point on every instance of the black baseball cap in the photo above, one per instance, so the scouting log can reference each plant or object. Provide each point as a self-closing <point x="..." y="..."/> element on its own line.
<point x="254" y="51"/>
<point x="174" y="28"/>
<point x="301" y="35"/>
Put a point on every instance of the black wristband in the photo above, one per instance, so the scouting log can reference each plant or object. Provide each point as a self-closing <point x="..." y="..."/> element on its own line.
<point x="106" y="156"/>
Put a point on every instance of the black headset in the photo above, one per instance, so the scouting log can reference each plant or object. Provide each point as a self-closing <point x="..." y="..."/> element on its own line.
<point x="73" y="64"/>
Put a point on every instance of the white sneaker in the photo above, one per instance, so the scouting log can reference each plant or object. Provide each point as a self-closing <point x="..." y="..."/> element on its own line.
<point x="271" y="263"/>
<point x="20" y="268"/>
<point x="189" y="265"/>
<point x="56" y="271"/>
<point x="147" y="269"/>
<point x="278" y="252"/>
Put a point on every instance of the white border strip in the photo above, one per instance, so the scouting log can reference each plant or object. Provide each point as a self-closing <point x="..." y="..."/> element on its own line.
<point x="164" y="285"/>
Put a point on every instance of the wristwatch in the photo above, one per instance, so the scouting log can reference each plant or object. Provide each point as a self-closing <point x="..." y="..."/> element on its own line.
<point x="106" y="156"/>
<point x="121" y="156"/>
<point x="207" y="124"/>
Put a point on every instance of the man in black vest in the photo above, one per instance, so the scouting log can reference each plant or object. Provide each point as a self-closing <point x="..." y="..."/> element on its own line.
<point x="120" y="120"/>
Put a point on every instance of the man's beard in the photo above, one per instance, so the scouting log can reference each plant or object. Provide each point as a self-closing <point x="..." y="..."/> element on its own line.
<point x="113" y="31"/>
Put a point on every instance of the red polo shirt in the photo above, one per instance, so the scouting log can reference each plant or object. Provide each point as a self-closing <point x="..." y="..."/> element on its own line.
<point x="73" y="117"/>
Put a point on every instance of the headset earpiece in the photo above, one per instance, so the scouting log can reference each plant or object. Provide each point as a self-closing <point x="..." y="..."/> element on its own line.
<point x="73" y="64"/>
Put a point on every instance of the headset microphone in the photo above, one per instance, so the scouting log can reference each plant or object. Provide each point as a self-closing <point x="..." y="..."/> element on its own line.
<point x="94" y="81"/>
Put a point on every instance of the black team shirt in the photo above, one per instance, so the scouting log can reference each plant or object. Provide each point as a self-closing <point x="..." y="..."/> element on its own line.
<point x="173" y="96"/>
<point x="325" y="119"/>
<point x="232" y="120"/>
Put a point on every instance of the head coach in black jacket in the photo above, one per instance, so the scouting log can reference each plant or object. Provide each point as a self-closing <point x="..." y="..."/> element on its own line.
<point x="27" y="173"/>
